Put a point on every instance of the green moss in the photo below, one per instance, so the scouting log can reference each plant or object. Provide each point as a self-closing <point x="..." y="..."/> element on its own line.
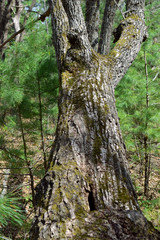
<point x="97" y="147"/>
<point x="106" y="109"/>
<point x="129" y="29"/>
<point x="123" y="195"/>
<point x="134" y="17"/>
<point x="62" y="226"/>
<point x="80" y="212"/>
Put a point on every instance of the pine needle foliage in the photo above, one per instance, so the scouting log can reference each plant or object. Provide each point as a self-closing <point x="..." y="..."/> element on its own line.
<point x="139" y="120"/>
<point x="10" y="211"/>
<point x="131" y="92"/>
<point x="26" y="63"/>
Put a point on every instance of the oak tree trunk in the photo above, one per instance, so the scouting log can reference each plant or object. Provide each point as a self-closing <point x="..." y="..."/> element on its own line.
<point x="87" y="192"/>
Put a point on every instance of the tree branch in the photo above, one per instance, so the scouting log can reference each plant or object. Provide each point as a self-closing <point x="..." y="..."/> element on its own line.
<point x="60" y="27"/>
<point x="77" y="35"/>
<point x="130" y="34"/>
<point x="107" y="25"/>
<point x="92" y="21"/>
<point x="41" y="18"/>
<point x="135" y="7"/>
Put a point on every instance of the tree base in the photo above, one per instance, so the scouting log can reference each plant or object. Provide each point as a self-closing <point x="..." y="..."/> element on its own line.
<point x="111" y="224"/>
<point x="107" y="224"/>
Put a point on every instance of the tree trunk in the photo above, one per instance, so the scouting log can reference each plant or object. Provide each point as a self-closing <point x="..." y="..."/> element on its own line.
<point x="92" y="21"/>
<point x="5" y="15"/>
<point x="16" y="18"/>
<point x="87" y="192"/>
<point x="107" y="26"/>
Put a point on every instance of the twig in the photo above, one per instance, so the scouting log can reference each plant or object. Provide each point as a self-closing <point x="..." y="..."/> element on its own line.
<point x="41" y="18"/>
<point x="155" y="76"/>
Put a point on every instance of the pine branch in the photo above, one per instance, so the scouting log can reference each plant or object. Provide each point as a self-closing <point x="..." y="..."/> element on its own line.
<point x="41" y="18"/>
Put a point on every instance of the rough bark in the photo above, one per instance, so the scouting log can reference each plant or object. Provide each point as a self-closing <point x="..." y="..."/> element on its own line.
<point x="16" y="18"/>
<point x="92" y="22"/>
<point x="5" y="183"/>
<point x="107" y="27"/>
<point x="87" y="192"/>
<point x="5" y="15"/>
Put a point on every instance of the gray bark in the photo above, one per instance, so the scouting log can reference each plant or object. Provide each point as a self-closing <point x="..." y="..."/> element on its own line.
<point x="92" y="22"/>
<point x="107" y="27"/>
<point x="5" y="15"/>
<point x="5" y="183"/>
<point x="16" y="18"/>
<point x="87" y="192"/>
<point x="26" y="17"/>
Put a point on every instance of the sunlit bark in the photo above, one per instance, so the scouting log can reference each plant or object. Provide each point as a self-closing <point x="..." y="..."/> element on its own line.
<point x="87" y="192"/>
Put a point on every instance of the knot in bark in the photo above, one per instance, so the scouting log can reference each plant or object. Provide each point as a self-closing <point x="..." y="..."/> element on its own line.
<point x="74" y="39"/>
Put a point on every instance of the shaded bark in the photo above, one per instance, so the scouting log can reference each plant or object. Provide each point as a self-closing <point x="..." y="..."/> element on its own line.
<point x="107" y="26"/>
<point x="92" y="22"/>
<point x="5" y="16"/>
<point x="87" y="192"/>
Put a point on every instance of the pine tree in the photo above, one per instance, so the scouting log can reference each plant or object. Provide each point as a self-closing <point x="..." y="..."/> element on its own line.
<point x="138" y="99"/>
<point x="25" y="64"/>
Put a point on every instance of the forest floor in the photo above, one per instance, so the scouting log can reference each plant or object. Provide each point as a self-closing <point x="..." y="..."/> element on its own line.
<point x="150" y="206"/>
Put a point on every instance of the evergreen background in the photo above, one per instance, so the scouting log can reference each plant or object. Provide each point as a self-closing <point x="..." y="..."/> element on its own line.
<point x="29" y="111"/>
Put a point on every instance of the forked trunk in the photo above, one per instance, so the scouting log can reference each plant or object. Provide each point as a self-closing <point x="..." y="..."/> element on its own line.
<point x="87" y="192"/>
<point x="88" y="176"/>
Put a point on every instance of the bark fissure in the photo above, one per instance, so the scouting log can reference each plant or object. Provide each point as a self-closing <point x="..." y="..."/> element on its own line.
<point x="92" y="194"/>
<point x="91" y="201"/>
